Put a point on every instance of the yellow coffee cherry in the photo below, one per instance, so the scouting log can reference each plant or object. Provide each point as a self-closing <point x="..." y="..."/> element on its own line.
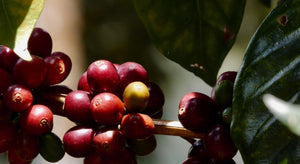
<point x="136" y="97"/>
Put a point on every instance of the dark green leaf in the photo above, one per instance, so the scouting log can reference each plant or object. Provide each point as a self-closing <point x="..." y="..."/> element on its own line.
<point x="195" y="34"/>
<point x="17" y="21"/>
<point x="271" y="65"/>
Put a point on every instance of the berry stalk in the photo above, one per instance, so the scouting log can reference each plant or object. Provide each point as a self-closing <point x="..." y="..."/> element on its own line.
<point x="174" y="128"/>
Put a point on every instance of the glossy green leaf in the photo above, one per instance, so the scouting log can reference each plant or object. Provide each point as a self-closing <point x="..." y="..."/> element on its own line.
<point x="287" y="113"/>
<point x="18" y="18"/>
<point x="270" y="65"/>
<point x="195" y="34"/>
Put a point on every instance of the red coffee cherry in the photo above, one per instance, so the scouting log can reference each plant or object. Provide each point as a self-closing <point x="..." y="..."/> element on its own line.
<point x="78" y="141"/>
<point x="197" y="114"/>
<point x="102" y="76"/>
<point x="27" y="146"/>
<point x="8" y="58"/>
<point x="6" y="80"/>
<point x="38" y="119"/>
<point x="130" y="72"/>
<point x="14" y="158"/>
<point x="56" y="70"/>
<point x="40" y="42"/>
<point x="109" y="142"/>
<point x="78" y="107"/>
<point x="30" y="73"/>
<point x="137" y="126"/>
<point x="107" y="109"/>
<point x="83" y="83"/>
<point x="8" y="135"/>
<point x="66" y="60"/>
<point x="219" y="143"/>
<point x="18" y="98"/>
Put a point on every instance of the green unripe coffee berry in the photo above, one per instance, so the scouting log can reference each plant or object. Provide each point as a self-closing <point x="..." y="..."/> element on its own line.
<point x="224" y="93"/>
<point x="227" y="115"/>
<point x="51" y="147"/>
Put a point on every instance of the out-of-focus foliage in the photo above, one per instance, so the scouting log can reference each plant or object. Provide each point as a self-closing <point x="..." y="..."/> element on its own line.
<point x="113" y="31"/>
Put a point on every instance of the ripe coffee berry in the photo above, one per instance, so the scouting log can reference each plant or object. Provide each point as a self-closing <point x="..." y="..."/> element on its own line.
<point x="156" y="99"/>
<point x="38" y="119"/>
<point x="8" y="58"/>
<point x="83" y="83"/>
<point x="219" y="143"/>
<point x="228" y="75"/>
<point x="17" y="98"/>
<point x="66" y="60"/>
<point x="109" y="142"/>
<point x="26" y="146"/>
<point x="130" y="72"/>
<point x="78" y="141"/>
<point x="8" y="135"/>
<point x="199" y="150"/>
<point x="78" y="106"/>
<point x="30" y="73"/>
<point x="197" y="114"/>
<point x="137" y="126"/>
<point x="102" y="76"/>
<point x="40" y="42"/>
<point x="14" y="158"/>
<point x="6" y="80"/>
<point x="107" y="109"/>
<point x="55" y="70"/>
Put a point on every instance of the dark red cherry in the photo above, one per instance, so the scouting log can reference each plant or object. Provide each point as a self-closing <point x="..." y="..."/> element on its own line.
<point x="78" y="106"/>
<point x="156" y="99"/>
<point x="14" y="158"/>
<point x="219" y="143"/>
<point x="30" y="73"/>
<point x="27" y="146"/>
<point x="56" y="70"/>
<point x="53" y="97"/>
<point x="109" y="142"/>
<point x="66" y="60"/>
<point x="8" y="135"/>
<point x="6" y="80"/>
<point x="17" y="98"/>
<point x="228" y="75"/>
<point x="197" y="114"/>
<point x="40" y="42"/>
<point x="130" y="72"/>
<point x="102" y="76"/>
<point x="8" y="58"/>
<point x="78" y="141"/>
<point x="5" y="113"/>
<point x="199" y="150"/>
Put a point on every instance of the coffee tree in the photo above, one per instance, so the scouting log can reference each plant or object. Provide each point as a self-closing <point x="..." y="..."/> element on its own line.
<point x="117" y="108"/>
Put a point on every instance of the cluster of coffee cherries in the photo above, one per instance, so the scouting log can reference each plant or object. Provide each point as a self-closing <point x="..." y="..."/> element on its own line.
<point x="25" y="124"/>
<point x="210" y="115"/>
<point x="113" y="108"/>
